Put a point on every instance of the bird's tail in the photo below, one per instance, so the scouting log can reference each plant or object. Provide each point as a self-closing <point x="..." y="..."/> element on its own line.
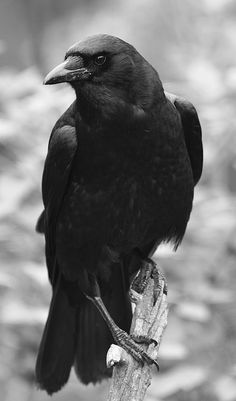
<point x="94" y="337"/>
<point x="78" y="334"/>
<point x="57" y="348"/>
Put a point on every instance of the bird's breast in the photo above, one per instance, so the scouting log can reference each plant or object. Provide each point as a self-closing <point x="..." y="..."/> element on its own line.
<point x="128" y="188"/>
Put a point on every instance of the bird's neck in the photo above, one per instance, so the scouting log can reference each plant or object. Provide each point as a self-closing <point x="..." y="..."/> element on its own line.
<point x="102" y="107"/>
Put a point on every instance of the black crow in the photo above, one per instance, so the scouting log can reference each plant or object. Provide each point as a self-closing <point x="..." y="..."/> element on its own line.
<point x="118" y="180"/>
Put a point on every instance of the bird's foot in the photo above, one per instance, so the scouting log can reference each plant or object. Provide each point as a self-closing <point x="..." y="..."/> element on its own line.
<point x="148" y="269"/>
<point x="131" y="344"/>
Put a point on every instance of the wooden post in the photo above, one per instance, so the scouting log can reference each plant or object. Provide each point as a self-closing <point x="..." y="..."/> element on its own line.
<point x="130" y="379"/>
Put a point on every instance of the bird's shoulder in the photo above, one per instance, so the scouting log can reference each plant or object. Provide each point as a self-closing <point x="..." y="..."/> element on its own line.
<point x="192" y="132"/>
<point x="64" y="130"/>
<point x="61" y="150"/>
<point x="185" y="108"/>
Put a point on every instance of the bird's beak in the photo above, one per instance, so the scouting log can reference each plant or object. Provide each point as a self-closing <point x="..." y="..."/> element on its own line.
<point x="67" y="72"/>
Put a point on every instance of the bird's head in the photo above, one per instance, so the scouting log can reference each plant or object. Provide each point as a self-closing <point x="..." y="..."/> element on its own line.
<point x="106" y="71"/>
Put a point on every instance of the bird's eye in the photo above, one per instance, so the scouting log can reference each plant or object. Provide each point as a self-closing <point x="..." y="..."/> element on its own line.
<point x="100" y="60"/>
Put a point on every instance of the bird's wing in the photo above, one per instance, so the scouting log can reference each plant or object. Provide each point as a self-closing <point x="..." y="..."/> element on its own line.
<point x="192" y="133"/>
<point x="61" y="151"/>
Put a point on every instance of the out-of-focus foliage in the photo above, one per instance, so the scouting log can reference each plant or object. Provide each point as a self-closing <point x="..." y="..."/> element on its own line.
<point x="193" y="46"/>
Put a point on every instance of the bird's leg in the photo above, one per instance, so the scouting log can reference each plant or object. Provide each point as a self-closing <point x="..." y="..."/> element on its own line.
<point x="148" y="269"/>
<point x="122" y="338"/>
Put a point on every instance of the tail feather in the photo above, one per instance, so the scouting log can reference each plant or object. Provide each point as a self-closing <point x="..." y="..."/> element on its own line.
<point x="94" y="340"/>
<point x="57" y="348"/>
<point x="75" y="333"/>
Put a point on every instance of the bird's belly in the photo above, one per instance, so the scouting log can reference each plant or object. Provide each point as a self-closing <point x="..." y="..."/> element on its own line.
<point x="149" y="210"/>
<point x="126" y="214"/>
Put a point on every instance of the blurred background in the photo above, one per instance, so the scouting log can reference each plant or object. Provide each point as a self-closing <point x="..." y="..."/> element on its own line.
<point x="193" y="46"/>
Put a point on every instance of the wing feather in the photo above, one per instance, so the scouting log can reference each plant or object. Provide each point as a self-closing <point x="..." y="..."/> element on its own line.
<point x="192" y="133"/>
<point x="56" y="175"/>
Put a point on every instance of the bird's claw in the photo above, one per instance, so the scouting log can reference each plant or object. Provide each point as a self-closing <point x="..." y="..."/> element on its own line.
<point x="131" y="344"/>
<point x="148" y="269"/>
<point x="143" y="339"/>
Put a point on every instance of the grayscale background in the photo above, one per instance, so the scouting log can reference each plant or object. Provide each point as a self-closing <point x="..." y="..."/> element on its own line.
<point x="192" y="44"/>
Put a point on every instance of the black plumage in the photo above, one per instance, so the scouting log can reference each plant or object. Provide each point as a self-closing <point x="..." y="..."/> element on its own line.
<point x="119" y="177"/>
